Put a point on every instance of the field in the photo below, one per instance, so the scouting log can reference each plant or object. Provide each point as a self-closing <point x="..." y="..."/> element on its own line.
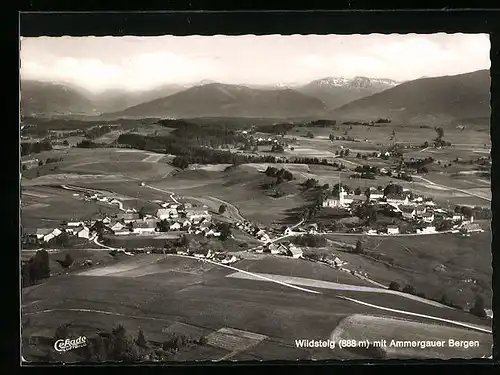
<point x="445" y="264"/>
<point x="152" y="292"/>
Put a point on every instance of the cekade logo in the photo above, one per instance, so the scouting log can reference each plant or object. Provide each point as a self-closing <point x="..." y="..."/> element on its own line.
<point x="70" y="344"/>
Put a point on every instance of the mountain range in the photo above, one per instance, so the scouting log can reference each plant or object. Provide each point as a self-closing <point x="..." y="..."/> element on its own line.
<point x="463" y="97"/>
<point x="448" y="98"/>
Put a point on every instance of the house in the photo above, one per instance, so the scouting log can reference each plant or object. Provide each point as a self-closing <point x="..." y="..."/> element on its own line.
<point x="457" y="217"/>
<point x="56" y="232"/>
<point x="188" y="206"/>
<point x="420" y="210"/>
<point x="128" y="217"/>
<point x="427" y="229"/>
<point x="399" y="199"/>
<point x="408" y="212"/>
<point x="392" y="230"/>
<point x="117" y="226"/>
<point x="353" y="198"/>
<point x="122" y="232"/>
<point x="144" y="227"/>
<point x="186" y="224"/>
<point x="295" y="252"/>
<point x="260" y="233"/>
<point x="175" y="226"/>
<point x="371" y="232"/>
<point x="42" y="232"/>
<point x="428" y="217"/>
<point x="193" y="214"/>
<point x="417" y="199"/>
<point x="471" y="228"/>
<point x="166" y="213"/>
<point x="106" y="220"/>
<point x="48" y="237"/>
<point x="288" y="231"/>
<point x="273" y="248"/>
<point x="217" y="234"/>
<point x="209" y="233"/>
<point x="74" y="223"/>
<point x="375" y="194"/>
<point x="84" y="233"/>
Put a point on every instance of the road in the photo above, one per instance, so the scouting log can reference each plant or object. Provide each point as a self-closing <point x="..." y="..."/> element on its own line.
<point x="171" y="193"/>
<point x="452" y="188"/>
<point x="274" y="279"/>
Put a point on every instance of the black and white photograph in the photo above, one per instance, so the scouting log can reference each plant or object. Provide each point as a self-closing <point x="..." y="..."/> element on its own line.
<point x="255" y="198"/>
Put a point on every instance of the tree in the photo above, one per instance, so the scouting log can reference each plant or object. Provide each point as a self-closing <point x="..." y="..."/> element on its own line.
<point x="478" y="308"/>
<point x="458" y="210"/>
<point x="336" y="152"/>
<point x="225" y="231"/>
<point x="65" y="142"/>
<point x="222" y="209"/>
<point x="180" y="162"/>
<point x="346" y="153"/>
<point x="359" y="247"/>
<point x="62" y="332"/>
<point x="141" y="340"/>
<point x="394" y="285"/>
<point x="439" y="132"/>
<point x="68" y="261"/>
<point x="358" y="155"/>
<point x="467" y="211"/>
<point x="142" y="213"/>
<point x="40" y="163"/>
<point x="40" y="265"/>
<point x="310" y="134"/>
<point x="24" y="167"/>
<point x="393" y="189"/>
<point x="357" y="191"/>
<point x="409" y="289"/>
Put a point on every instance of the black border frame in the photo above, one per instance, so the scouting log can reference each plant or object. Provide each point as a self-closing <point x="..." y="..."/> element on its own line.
<point x="269" y="22"/>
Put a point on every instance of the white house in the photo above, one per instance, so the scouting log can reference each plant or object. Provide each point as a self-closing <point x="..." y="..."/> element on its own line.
<point x="408" y="212"/>
<point x="56" y="232"/>
<point x="296" y="252"/>
<point x="193" y="214"/>
<point x="399" y="199"/>
<point x="122" y="232"/>
<point x="166" y="213"/>
<point x="175" y="226"/>
<point x="144" y="227"/>
<point x="106" y="220"/>
<point x="74" y="223"/>
<point x="186" y="223"/>
<point x="128" y="217"/>
<point x="457" y="217"/>
<point x="48" y="237"/>
<point x="117" y="226"/>
<point x="371" y="232"/>
<point x="375" y="195"/>
<point x="428" y="229"/>
<point x="392" y="230"/>
<point x="42" y="232"/>
<point x="84" y="233"/>
<point x="428" y="217"/>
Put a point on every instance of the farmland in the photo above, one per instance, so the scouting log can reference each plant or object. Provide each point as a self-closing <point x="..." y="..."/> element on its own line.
<point x="155" y="293"/>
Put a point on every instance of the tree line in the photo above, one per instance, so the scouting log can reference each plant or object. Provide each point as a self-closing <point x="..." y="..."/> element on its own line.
<point x="35" y="147"/>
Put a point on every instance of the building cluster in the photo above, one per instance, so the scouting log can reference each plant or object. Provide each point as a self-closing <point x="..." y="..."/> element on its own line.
<point x="410" y="207"/>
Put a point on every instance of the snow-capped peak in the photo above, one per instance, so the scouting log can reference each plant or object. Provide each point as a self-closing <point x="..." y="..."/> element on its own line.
<point x="359" y="82"/>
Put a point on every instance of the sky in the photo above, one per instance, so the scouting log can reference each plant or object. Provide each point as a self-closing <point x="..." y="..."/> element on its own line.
<point x="141" y="63"/>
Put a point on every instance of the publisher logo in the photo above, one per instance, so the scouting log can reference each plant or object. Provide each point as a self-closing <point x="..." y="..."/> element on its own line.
<point x="70" y="344"/>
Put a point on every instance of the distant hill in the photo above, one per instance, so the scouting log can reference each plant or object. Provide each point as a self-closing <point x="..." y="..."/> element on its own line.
<point x="50" y="99"/>
<point x="337" y="91"/>
<point x="118" y="100"/>
<point x="222" y="100"/>
<point x="438" y="100"/>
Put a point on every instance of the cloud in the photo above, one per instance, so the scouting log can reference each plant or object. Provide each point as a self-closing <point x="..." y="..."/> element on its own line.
<point x="142" y="71"/>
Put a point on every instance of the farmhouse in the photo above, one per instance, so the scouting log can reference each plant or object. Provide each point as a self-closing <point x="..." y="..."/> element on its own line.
<point x="408" y="212"/>
<point x="84" y="233"/>
<point x="428" y="217"/>
<point x="166" y="213"/>
<point x="128" y="217"/>
<point x="42" y="232"/>
<point x="375" y="194"/>
<point x="144" y="227"/>
<point x="295" y="252"/>
<point x="117" y="226"/>
<point x="427" y="229"/>
<point x="175" y="226"/>
<point x="74" y="223"/>
<point x="457" y="217"/>
<point x="56" y="232"/>
<point x="193" y="214"/>
<point x="106" y="220"/>
<point x="471" y="228"/>
<point x="397" y="199"/>
<point x="186" y="224"/>
<point x="48" y="237"/>
<point x="392" y="230"/>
